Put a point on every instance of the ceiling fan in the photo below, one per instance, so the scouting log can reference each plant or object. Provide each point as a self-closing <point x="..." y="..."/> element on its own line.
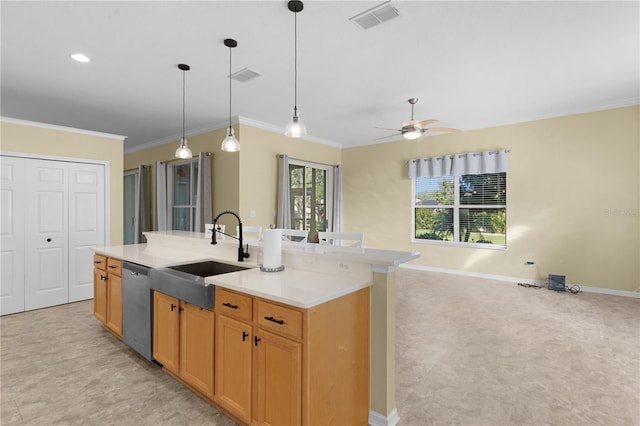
<point x="414" y="129"/>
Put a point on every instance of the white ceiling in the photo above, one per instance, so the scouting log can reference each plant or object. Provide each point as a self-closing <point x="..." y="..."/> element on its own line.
<point x="471" y="64"/>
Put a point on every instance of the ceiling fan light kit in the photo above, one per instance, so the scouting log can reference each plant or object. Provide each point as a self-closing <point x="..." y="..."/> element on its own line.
<point x="414" y="129"/>
<point x="230" y="143"/>
<point x="295" y="128"/>
<point x="183" y="150"/>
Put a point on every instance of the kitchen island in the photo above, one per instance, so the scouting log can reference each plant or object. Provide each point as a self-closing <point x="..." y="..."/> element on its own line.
<point x="329" y="297"/>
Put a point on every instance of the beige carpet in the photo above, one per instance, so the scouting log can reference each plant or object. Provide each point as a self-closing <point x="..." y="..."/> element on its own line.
<point x="470" y="352"/>
<point x="480" y="352"/>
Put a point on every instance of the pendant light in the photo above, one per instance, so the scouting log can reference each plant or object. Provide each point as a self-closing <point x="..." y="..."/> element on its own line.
<point x="295" y="128"/>
<point x="230" y="143"/>
<point x="183" y="150"/>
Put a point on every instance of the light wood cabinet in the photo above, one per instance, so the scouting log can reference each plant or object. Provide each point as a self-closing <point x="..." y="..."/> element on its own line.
<point x="233" y="366"/>
<point x="183" y="341"/>
<point x="196" y="347"/>
<point x="107" y="292"/>
<point x="281" y="365"/>
<point x="278" y="380"/>
<point x="166" y="331"/>
<point x="100" y="288"/>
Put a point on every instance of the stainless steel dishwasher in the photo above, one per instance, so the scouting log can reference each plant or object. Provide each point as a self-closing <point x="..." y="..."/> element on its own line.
<point x="137" y="309"/>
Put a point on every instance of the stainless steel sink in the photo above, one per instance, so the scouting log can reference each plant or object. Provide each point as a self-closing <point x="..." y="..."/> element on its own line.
<point x="186" y="282"/>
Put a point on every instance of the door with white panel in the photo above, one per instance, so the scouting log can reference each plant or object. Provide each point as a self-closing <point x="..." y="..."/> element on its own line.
<point x="12" y="172"/>
<point x="46" y="234"/>
<point x="53" y="214"/>
<point x="86" y="226"/>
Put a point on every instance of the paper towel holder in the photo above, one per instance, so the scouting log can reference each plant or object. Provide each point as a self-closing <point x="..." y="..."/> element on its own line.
<point x="278" y="269"/>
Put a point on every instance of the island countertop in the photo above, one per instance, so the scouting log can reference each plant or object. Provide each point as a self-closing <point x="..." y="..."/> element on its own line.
<point x="303" y="289"/>
<point x="313" y="274"/>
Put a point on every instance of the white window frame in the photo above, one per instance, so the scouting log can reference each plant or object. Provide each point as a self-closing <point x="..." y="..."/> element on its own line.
<point x="456" y="206"/>
<point x="193" y="181"/>
<point x="329" y="186"/>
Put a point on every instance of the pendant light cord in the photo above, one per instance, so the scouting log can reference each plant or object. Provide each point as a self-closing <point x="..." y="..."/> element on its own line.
<point x="229" y="87"/>
<point x="183" y="101"/>
<point x="295" y="63"/>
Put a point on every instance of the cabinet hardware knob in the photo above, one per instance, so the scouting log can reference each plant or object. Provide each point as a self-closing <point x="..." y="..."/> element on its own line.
<point x="97" y="262"/>
<point x="244" y="335"/>
<point x="229" y="305"/>
<point x="112" y="267"/>
<point x="180" y="309"/>
<point x="256" y="339"/>
<point x="172" y="307"/>
<point x="48" y="240"/>
<point x="272" y="319"/>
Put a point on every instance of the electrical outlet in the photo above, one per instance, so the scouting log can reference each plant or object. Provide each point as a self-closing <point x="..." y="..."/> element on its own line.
<point x="343" y="267"/>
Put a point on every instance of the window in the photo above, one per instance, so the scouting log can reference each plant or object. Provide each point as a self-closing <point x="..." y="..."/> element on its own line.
<point x="311" y="195"/>
<point x="461" y="210"/>
<point x="181" y="196"/>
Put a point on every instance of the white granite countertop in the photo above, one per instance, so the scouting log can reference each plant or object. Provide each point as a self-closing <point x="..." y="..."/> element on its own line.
<point x="293" y="287"/>
<point x="313" y="274"/>
<point x="153" y="257"/>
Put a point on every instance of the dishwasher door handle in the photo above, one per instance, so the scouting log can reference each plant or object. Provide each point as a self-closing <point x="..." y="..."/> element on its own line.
<point x="135" y="274"/>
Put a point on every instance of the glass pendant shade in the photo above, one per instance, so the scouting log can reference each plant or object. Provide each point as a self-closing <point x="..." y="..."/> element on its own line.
<point x="230" y="143"/>
<point x="183" y="150"/>
<point x="295" y="128"/>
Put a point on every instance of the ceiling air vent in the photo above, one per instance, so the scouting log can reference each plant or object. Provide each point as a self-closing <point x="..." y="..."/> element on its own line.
<point x="375" y="16"/>
<point x="245" y="74"/>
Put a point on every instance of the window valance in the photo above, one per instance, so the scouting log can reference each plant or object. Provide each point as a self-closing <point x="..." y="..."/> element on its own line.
<point x="471" y="163"/>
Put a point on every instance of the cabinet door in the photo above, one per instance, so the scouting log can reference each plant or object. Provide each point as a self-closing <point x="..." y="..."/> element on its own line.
<point x="196" y="347"/>
<point x="114" y="304"/>
<point x="278" y="380"/>
<point x="233" y="367"/>
<point x="166" y="331"/>
<point x="100" y="295"/>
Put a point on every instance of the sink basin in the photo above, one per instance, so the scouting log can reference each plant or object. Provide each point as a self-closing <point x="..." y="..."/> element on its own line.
<point x="208" y="268"/>
<point x="186" y="282"/>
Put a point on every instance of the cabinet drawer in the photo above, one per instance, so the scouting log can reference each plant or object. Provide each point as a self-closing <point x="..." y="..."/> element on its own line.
<point x="279" y="318"/>
<point x="100" y="262"/>
<point x="233" y="304"/>
<point x="114" y="266"/>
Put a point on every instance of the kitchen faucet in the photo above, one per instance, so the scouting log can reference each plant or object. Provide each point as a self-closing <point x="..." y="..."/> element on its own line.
<point x="241" y="253"/>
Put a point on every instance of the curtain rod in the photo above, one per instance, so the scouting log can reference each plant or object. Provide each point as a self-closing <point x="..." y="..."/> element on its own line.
<point x="308" y="161"/>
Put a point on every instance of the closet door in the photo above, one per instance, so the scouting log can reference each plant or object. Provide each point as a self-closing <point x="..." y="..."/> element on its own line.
<point x="86" y="226"/>
<point x="46" y="235"/>
<point x="12" y="213"/>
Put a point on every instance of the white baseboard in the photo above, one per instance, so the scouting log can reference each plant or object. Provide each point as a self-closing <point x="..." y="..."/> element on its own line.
<point x="586" y="289"/>
<point x="377" y="419"/>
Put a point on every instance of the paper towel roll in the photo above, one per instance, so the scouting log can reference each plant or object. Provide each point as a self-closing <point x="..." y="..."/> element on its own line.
<point x="272" y="248"/>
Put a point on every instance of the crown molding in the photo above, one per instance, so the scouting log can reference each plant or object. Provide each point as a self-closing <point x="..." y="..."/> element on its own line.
<point x="61" y="128"/>
<point x="239" y="120"/>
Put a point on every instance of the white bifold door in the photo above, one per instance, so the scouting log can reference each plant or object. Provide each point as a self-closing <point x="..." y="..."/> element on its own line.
<point x="52" y="216"/>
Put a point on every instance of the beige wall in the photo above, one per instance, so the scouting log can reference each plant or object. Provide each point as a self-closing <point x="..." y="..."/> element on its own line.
<point x="225" y="168"/>
<point x="254" y="190"/>
<point x="573" y="198"/>
<point x="259" y="167"/>
<point x="25" y="138"/>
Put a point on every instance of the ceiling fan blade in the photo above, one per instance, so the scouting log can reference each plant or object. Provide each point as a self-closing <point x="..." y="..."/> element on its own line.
<point x="442" y="129"/>
<point x="386" y="128"/>
<point x="424" y="123"/>
<point x="390" y="136"/>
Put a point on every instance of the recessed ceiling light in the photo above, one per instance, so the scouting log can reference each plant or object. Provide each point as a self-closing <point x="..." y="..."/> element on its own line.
<point x="80" y="57"/>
